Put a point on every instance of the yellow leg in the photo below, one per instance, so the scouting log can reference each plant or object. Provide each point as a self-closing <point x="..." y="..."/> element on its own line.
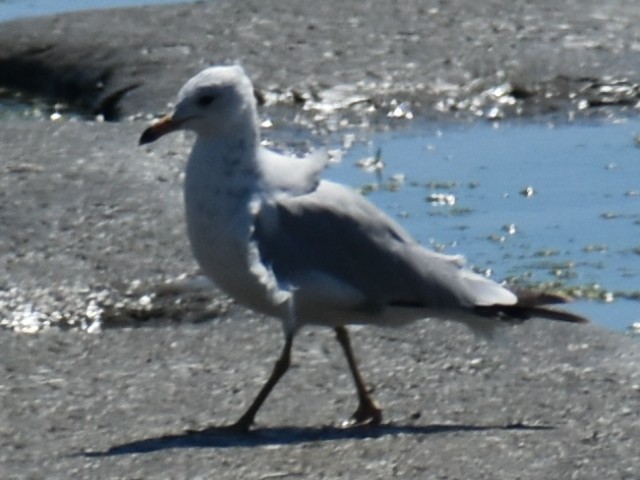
<point x="280" y="368"/>
<point x="368" y="410"/>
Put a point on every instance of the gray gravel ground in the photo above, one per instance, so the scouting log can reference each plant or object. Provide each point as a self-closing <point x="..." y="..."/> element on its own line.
<point x="92" y="231"/>
<point x="558" y="402"/>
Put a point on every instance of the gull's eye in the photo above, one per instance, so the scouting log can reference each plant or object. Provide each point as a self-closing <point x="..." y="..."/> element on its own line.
<point x="205" y="100"/>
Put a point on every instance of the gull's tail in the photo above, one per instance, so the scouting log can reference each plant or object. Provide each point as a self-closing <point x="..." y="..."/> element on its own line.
<point x="532" y="304"/>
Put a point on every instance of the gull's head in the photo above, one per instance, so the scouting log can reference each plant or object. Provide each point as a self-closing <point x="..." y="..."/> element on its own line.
<point x="215" y="102"/>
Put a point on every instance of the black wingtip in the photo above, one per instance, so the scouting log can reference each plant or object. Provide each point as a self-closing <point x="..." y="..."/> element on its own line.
<point x="558" y="315"/>
<point x="520" y="313"/>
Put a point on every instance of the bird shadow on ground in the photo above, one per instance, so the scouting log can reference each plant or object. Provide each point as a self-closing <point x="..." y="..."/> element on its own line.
<point x="223" y="437"/>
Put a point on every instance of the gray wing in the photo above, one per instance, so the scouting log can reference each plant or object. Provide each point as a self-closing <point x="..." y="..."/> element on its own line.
<point x="333" y="245"/>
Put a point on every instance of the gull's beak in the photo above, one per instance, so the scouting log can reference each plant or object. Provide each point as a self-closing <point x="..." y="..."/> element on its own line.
<point x="160" y="127"/>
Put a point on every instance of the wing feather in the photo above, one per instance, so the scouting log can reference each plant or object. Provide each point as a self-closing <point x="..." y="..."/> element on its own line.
<point x="335" y="241"/>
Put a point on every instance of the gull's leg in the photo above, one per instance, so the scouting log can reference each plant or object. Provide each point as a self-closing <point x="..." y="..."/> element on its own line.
<point x="279" y="369"/>
<point x="368" y="410"/>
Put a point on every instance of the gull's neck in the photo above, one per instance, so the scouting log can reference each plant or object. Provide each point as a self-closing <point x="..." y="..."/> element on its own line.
<point x="226" y="158"/>
<point x="222" y="178"/>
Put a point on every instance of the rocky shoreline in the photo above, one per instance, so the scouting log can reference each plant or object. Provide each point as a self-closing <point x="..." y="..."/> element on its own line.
<point x="445" y="59"/>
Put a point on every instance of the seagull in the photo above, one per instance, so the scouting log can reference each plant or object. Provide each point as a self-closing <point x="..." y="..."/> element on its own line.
<point x="284" y="242"/>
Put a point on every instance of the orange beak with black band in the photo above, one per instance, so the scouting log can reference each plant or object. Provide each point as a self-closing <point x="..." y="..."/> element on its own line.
<point x="159" y="128"/>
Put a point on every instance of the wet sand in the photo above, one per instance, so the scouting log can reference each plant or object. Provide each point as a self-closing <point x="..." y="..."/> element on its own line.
<point x="92" y="229"/>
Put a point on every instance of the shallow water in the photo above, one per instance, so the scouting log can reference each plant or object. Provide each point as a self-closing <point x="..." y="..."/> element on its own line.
<point x="529" y="202"/>
<point x="13" y="9"/>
